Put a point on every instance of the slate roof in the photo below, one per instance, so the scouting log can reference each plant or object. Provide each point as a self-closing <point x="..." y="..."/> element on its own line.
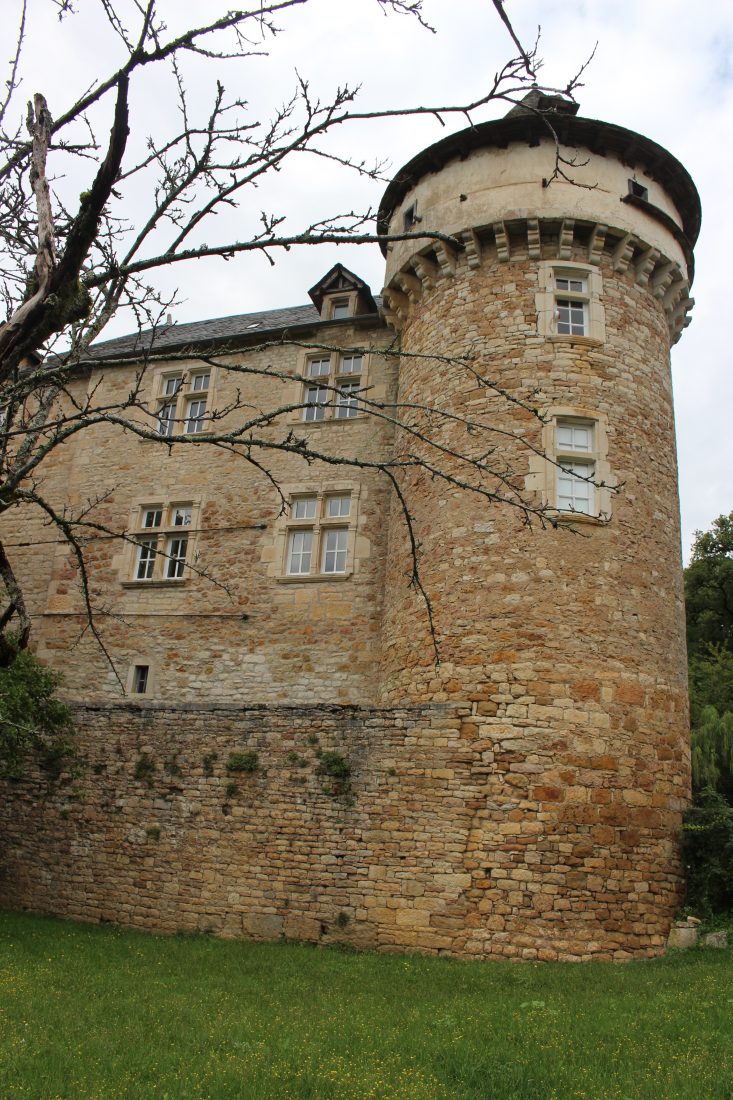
<point x="221" y="330"/>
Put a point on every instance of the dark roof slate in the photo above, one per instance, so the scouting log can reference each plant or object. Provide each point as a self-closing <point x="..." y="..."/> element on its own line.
<point x="195" y="333"/>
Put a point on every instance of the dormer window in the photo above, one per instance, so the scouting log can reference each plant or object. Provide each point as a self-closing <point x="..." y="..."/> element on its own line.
<point x="340" y="307"/>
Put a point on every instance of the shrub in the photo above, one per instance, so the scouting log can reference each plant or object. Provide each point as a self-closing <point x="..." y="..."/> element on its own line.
<point x="32" y="720"/>
<point x="243" y="762"/>
<point x="707" y="851"/>
<point x="335" y="765"/>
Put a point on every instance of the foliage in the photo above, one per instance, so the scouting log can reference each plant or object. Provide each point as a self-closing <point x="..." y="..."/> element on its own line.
<point x="707" y="852"/>
<point x="333" y="764"/>
<point x="243" y="762"/>
<point x="711" y="682"/>
<point x="144" y="767"/>
<point x="709" y="589"/>
<point x="33" y="722"/>
<point x="712" y="753"/>
<point x="101" y="1012"/>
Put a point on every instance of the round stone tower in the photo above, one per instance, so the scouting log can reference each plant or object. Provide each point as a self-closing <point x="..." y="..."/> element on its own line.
<point x="535" y="371"/>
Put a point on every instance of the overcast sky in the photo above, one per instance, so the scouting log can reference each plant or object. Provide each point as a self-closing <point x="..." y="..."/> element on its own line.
<point x="662" y="67"/>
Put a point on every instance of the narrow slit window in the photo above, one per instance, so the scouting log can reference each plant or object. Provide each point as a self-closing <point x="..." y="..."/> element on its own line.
<point x="140" y="679"/>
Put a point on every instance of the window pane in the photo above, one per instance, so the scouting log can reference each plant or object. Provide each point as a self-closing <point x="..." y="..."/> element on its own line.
<point x="166" y="418"/>
<point x="346" y="405"/>
<point x="316" y="397"/>
<point x="573" y="493"/>
<point x="319" y="368"/>
<point x="340" y="308"/>
<point x="350" y="364"/>
<point x="195" y="418"/>
<point x="574" y="437"/>
<point x="152" y="517"/>
<point x="577" y="286"/>
<point x="171" y="386"/>
<point x="300" y="547"/>
<point x="304" y="508"/>
<point x="146" y="555"/>
<point x="176" y="560"/>
<point x="182" y="516"/>
<point x="337" y="507"/>
<point x="571" y="317"/>
<point x="200" y="382"/>
<point x="334" y="551"/>
<point x="140" y="679"/>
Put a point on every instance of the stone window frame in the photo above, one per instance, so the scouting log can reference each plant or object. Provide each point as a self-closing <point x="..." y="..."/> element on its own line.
<point x="319" y="524"/>
<point x="547" y="296"/>
<point x="545" y="467"/>
<point x="332" y="405"/>
<point x="165" y="571"/>
<point x="142" y="661"/>
<point x="181" y="399"/>
<point x="335" y="298"/>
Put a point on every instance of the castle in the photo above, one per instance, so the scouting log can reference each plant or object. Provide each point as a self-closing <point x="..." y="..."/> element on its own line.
<point x="290" y="759"/>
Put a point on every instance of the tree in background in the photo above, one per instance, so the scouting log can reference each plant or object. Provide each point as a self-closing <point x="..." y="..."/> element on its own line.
<point x="708" y="831"/>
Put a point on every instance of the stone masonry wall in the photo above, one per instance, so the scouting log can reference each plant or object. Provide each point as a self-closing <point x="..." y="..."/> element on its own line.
<point x="156" y="832"/>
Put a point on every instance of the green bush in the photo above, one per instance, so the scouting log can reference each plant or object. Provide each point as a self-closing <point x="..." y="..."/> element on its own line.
<point x="707" y="851"/>
<point x="243" y="762"/>
<point x="32" y="720"/>
<point x="334" y="764"/>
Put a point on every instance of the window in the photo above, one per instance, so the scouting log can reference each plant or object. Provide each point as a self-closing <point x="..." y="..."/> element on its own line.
<point x="638" y="190"/>
<point x="161" y="546"/>
<point x="569" y="302"/>
<point x="318" y="531"/>
<point x="575" y="455"/>
<point x="332" y="386"/>
<point x="410" y="218"/>
<point x="140" y="677"/>
<point x="340" y="307"/>
<point x="182" y="402"/>
<point x="571" y="305"/>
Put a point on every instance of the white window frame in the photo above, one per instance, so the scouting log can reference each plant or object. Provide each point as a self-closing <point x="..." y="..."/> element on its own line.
<point x="566" y="460"/>
<point x="331" y="387"/>
<point x="183" y="401"/>
<point x="572" y="306"/>
<point x="319" y="534"/>
<point x="161" y="541"/>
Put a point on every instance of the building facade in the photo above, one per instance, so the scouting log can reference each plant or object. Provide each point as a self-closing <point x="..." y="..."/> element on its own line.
<point x="290" y="758"/>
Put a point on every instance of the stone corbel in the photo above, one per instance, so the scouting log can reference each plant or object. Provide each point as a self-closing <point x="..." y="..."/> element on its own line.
<point x="446" y="258"/>
<point x="678" y="290"/>
<point x="623" y="252"/>
<point x="426" y="271"/>
<point x="410" y="284"/>
<point x="596" y="243"/>
<point x="398" y="303"/>
<point x="473" y="248"/>
<point x="502" y="241"/>
<point x="662" y="278"/>
<point x="534" y="240"/>
<point x="565" y="243"/>
<point x="645" y="265"/>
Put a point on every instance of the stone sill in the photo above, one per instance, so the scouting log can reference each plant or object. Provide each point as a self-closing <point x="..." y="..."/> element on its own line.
<point x="582" y="341"/>
<point x="171" y="582"/>
<point x="316" y="578"/>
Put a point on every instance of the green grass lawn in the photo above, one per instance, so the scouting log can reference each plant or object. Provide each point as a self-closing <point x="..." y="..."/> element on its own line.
<point x="92" y="1012"/>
